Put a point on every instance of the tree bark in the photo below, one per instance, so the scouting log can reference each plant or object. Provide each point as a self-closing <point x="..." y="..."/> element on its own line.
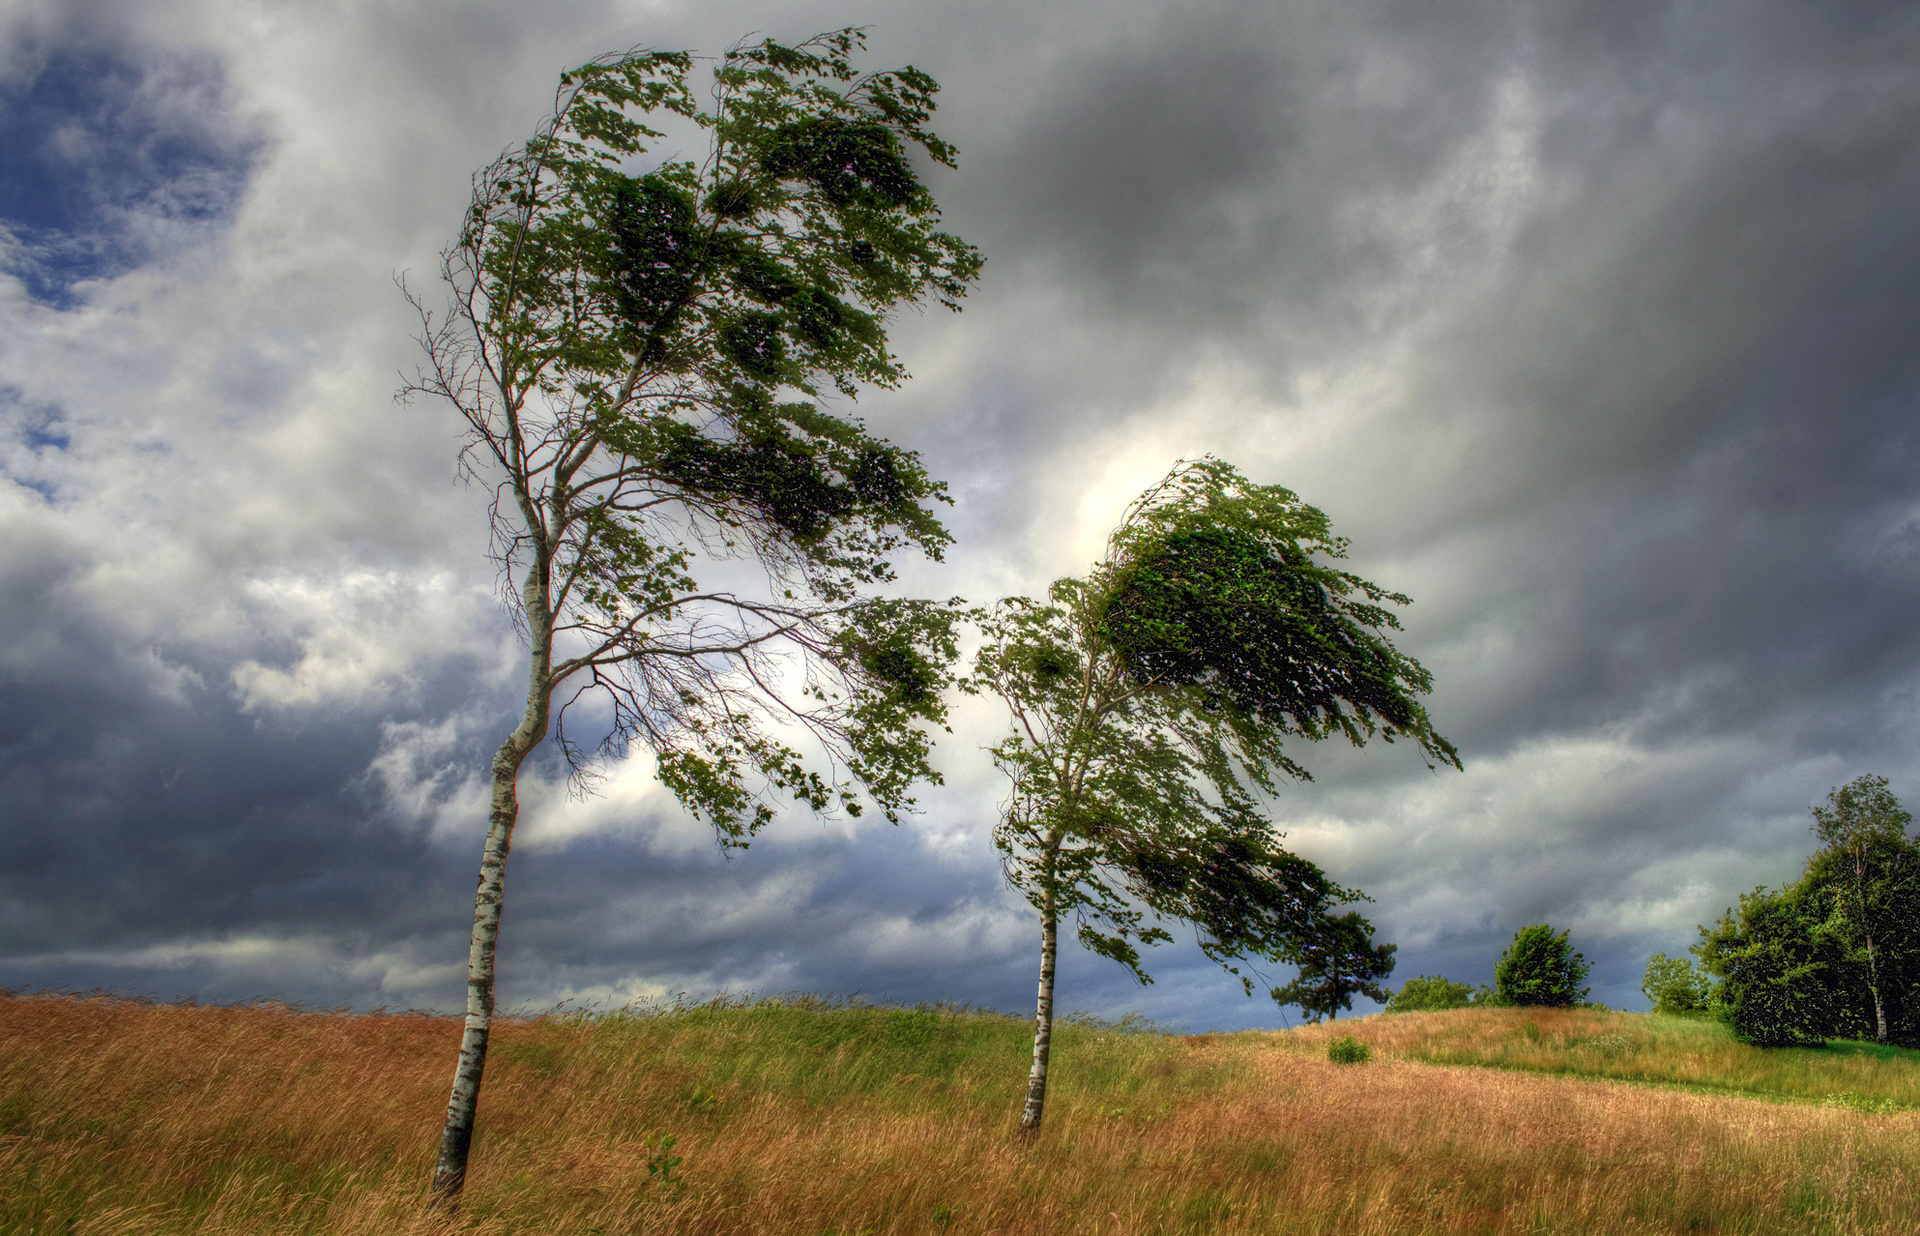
<point x="1873" y="985"/>
<point x="456" y="1140"/>
<point x="1042" y="1020"/>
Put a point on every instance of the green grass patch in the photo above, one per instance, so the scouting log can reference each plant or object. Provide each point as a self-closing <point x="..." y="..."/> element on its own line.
<point x="1695" y="1052"/>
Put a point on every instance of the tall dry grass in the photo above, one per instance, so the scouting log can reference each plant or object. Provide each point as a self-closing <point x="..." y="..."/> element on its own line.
<point x="117" y="1118"/>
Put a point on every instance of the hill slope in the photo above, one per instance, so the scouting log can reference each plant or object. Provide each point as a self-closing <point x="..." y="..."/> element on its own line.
<point x="799" y="1117"/>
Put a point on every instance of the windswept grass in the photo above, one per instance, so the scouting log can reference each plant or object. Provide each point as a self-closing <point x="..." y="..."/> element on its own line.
<point x="1635" y="1047"/>
<point x="802" y="1118"/>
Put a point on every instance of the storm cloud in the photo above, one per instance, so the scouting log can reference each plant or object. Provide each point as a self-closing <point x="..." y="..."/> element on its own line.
<point x="1592" y="325"/>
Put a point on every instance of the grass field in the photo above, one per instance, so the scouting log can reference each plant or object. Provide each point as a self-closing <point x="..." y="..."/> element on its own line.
<point x="1640" y="1047"/>
<point x="797" y="1117"/>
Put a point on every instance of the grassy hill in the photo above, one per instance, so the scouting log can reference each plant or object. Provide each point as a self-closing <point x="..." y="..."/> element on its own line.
<point x="806" y="1118"/>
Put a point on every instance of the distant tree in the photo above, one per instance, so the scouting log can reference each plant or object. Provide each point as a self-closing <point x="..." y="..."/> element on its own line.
<point x="1836" y="954"/>
<point x="1338" y="960"/>
<point x="1776" y="986"/>
<point x="1430" y="993"/>
<point x="1674" y="985"/>
<point x="1540" y="968"/>
<point x="687" y="535"/>
<point x="1150" y="703"/>
<point x="1870" y="870"/>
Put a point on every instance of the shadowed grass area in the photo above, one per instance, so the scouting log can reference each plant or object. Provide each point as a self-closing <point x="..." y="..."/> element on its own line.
<point x="1644" y="1047"/>
<point x="802" y="1117"/>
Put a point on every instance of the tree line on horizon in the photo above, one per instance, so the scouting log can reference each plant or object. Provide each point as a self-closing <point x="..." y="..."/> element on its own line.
<point x="1833" y="955"/>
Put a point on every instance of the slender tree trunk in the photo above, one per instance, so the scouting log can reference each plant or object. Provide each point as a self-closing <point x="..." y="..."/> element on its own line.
<point x="1873" y="985"/>
<point x="1042" y="1019"/>
<point x="456" y="1140"/>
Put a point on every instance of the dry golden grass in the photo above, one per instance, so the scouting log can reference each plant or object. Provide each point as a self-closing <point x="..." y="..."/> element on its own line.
<point x="119" y="1117"/>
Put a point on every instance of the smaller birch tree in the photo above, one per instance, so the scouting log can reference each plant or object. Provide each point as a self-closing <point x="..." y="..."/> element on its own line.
<point x="1150" y="703"/>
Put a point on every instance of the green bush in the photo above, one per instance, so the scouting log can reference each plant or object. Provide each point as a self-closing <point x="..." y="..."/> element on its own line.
<point x="1673" y="985"/>
<point x="1540" y="968"/>
<point x="1347" y="1050"/>
<point x="1430" y="994"/>
<point x="1775" y="969"/>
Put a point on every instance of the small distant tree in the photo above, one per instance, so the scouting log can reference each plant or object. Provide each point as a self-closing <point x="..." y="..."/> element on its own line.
<point x="1150" y="703"/>
<point x="1429" y="993"/>
<point x="1540" y="968"/>
<point x="1338" y="960"/>
<point x="1872" y="871"/>
<point x="688" y="531"/>
<point x="1674" y="985"/>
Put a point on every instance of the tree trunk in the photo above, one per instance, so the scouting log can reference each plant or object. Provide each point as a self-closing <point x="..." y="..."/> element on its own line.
<point x="1042" y="1020"/>
<point x="1873" y="985"/>
<point x="456" y="1140"/>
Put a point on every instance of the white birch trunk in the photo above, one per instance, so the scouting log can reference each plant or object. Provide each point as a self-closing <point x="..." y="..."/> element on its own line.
<point x="1042" y="1021"/>
<point x="456" y="1140"/>
<point x="1873" y="985"/>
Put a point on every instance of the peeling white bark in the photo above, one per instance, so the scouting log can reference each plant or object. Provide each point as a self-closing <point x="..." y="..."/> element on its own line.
<point x="1042" y="1021"/>
<point x="456" y="1140"/>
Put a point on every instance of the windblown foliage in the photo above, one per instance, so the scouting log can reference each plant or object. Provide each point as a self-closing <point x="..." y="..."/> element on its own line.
<point x="625" y="343"/>
<point x="1152" y="702"/>
<point x="688" y="545"/>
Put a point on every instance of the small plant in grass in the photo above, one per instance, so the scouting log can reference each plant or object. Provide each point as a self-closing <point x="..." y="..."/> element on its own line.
<point x="660" y="1159"/>
<point x="1347" y="1050"/>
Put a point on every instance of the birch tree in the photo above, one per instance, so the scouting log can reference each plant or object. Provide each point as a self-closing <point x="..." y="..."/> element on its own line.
<point x="648" y="354"/>
<point x="1151" y="702"/>
<point x="1870" y="864"/>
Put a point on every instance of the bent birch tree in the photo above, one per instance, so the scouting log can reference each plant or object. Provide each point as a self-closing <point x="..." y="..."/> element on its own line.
<point x="688" y="536"/>
<point x="1150" y="701"/>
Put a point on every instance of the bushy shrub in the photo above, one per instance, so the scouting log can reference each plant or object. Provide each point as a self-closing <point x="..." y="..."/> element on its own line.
<point x="1347" y="1050"/>
<point x="1673" y="985"/>
<point x="1430" y="994"/>
<point x="1540" y="968"/>
<point x="1774" y="969"/>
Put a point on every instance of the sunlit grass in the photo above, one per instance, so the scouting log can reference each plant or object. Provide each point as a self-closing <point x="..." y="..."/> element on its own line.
<point x="804" y="1118"/>
<point x="1692" y="1051"/>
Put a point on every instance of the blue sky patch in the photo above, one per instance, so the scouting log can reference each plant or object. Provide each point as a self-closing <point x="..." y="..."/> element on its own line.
<point x="107" y="162"/>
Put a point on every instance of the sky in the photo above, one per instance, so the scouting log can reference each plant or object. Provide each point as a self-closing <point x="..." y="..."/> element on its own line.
<point x="1594" y="326"/>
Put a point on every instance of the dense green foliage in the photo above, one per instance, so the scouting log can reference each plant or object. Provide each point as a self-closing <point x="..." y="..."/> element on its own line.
<point x="1836" y="954"/>
<point x="1152" y="702"/>
<point x="640" y="351"/>
<point x="1429" y="993"/>
<point x="1338" y="960"/>
<point x="1540" y="968"/>
<point x="1348" y="1050"/>
<point x="1674" y="985"/>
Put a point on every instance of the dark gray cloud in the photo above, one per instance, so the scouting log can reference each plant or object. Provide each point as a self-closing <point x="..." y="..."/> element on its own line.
<point x="1591" y="324"/>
